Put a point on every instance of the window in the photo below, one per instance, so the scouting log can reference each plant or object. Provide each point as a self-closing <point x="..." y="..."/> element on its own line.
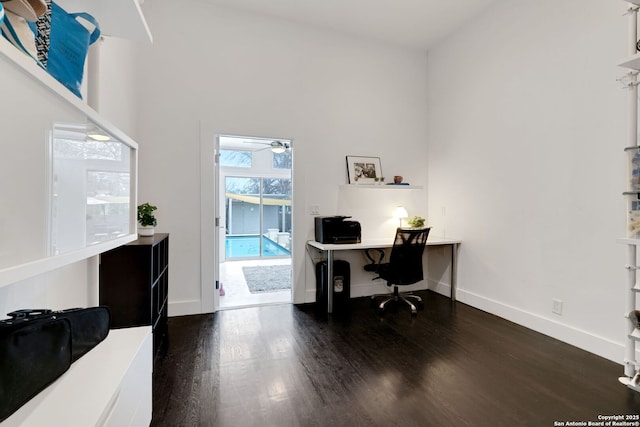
<point x="236" y="158"/>
<point x="282" y="160"/>
<point x="90" y="189"/>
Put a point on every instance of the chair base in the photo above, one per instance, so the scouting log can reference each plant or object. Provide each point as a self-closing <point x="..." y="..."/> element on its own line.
<point x="397" y="297"/>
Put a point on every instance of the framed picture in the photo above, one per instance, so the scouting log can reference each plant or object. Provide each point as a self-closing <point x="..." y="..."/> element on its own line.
<point x="363" y="170"/>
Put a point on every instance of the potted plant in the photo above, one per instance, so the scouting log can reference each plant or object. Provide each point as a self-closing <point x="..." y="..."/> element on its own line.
<point x="416" y="222"/>
<point x="146" y="221"/>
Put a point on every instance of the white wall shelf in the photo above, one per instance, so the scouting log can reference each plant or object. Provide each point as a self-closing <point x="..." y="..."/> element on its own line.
<point x="28" y="66"/>
<point x="379" y="187"/>
<point x="629" y="241"/>
<point x="111" y="385"/>
<point x="26" y="270"/>
<point x="24" y="189"/>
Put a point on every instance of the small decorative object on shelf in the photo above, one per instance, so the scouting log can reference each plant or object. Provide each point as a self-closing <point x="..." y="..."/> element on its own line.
<point x="147" y="222"/>
<point x="397" y="179"/>
<point x="416" y="222"/>
<point x="633" y="214"/>
<point x="633" y="159"/>
<point x="634" y="316"/>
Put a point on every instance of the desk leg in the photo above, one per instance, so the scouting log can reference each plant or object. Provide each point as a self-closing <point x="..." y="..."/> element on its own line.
<point x="454" y="270"/>
<point x="329" y="281"/>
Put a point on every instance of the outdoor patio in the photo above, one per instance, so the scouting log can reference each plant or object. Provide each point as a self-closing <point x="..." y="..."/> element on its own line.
<point x="236" y="291"/>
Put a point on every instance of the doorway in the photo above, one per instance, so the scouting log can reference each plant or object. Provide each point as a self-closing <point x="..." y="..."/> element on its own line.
<point x="254" y="210"/>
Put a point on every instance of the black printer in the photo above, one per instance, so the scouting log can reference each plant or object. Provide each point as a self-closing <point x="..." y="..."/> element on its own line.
<point x="334" y="229"/>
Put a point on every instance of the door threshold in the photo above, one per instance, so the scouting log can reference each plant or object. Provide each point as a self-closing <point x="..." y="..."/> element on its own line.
<point x="264" y="304"/>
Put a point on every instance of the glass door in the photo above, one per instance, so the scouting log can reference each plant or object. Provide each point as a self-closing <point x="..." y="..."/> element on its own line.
<point x="276" y="216"/>
<point x="258" y="217"/>
<point x="243" y="217"/>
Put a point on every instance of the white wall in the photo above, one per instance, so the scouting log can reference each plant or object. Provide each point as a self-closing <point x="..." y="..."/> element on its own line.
<point x="236" y="73"/>
<point x="526" y="136"/>
<point x="117" y="80"/>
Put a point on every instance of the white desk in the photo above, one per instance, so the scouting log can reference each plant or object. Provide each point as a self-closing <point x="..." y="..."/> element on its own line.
<point x="330" y="248"/>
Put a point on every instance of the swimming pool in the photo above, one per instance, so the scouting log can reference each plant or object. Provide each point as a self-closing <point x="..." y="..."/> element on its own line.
<point x="249" y="246"/>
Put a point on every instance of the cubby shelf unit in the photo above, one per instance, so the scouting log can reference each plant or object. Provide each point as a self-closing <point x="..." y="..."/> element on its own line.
<point x="631" y="376"/>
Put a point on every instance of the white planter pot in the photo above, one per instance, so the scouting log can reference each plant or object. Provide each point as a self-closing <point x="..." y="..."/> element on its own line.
<point x="146" y="230"/>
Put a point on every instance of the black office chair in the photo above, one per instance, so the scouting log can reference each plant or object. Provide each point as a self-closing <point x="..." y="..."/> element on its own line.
<point x="404" y="267"/>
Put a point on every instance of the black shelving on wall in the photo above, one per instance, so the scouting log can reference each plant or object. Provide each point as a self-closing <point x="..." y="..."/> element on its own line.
<point x="134" y="281"/>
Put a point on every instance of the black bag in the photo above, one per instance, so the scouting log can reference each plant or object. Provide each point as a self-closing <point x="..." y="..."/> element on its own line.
<point x="37" y="346"/>
<point x="89" y="326"/>
<point x="33" y="354"/>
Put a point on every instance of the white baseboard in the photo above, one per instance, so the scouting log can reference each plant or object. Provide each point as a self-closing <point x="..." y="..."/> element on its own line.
<point x="439" y="287"/>
<point x="603" y="347"/>
<point x="184" y="308"/>
<point x="584" y="340"/>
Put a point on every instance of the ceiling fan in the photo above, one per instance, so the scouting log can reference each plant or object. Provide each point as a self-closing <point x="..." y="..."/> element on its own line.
<point x="277" y="147"/>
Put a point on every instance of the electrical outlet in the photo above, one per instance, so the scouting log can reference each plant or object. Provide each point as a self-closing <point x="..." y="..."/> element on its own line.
<point x="314" y="210"/>
<point x="557" y="307"/>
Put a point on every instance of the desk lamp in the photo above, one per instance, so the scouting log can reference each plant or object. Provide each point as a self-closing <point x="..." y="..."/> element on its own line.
<point x="400" y="213"/>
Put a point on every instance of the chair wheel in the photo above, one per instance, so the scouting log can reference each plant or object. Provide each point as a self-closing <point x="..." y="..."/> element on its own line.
<point x="381" y="312"/>
<point x="414" y="313"/>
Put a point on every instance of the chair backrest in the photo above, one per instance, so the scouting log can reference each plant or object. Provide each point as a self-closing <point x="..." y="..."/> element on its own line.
<point x="405" y="261"/>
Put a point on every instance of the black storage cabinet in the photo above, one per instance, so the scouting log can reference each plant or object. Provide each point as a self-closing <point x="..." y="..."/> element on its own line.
<point x="341" y="286"/>
<point x="134" y="281"/>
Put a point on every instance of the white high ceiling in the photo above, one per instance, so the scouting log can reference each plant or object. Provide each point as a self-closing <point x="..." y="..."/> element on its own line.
<point x="411" y="23"/>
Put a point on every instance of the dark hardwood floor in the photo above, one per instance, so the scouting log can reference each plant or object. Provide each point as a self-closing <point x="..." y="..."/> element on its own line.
<point x="453" y="365"/>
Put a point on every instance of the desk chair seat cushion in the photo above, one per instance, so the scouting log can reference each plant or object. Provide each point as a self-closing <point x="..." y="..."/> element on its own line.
<point x="396" y="275"/>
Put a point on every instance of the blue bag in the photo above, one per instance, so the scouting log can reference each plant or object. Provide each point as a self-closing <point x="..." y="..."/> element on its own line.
<point x="69" y="42"/>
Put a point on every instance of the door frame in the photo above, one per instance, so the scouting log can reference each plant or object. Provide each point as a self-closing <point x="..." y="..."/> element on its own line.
<point x="209" y="274"/>
<point x="210" y="210"/>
